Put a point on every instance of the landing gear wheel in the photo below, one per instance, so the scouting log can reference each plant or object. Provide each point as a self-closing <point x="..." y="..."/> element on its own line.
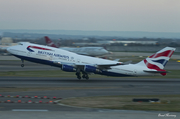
<point x="78" y="75"/>
<point x="22" y="65"/>
<point x="85" y="76"/>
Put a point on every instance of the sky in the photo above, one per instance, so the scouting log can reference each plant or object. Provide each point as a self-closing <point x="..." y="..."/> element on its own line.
<point x="89" y="15"/>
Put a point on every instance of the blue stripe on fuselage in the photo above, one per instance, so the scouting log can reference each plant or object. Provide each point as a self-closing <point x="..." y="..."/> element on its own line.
<point x="30" y="49"/>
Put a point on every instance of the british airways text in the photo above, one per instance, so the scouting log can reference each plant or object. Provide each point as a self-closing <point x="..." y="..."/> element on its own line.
<point x="53" y="54"/>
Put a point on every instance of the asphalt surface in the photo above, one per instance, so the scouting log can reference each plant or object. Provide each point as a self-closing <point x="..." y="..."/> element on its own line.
<point x="86" y="88"/>
<point x="71" y="87"/>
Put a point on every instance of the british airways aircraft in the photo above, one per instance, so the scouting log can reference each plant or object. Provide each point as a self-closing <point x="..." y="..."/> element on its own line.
<point x="89" y="51"/>
<point x="85" y="65"/>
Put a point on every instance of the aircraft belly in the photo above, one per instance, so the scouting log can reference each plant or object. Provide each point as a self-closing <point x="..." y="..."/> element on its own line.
<point x="36" y="60"/>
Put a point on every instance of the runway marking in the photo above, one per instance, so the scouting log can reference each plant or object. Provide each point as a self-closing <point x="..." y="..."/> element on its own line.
<point x="32" y="102"/>
<point x="34" y="97"/>
<point x="30" y="110"/>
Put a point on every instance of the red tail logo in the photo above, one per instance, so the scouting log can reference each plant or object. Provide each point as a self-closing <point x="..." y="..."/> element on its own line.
<point x="49" y="42"/>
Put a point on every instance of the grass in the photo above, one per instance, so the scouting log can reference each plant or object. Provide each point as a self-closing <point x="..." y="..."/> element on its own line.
<point x="45" y="73"/>
<point x="59" y="73"/>
<point x="167" y="102"/>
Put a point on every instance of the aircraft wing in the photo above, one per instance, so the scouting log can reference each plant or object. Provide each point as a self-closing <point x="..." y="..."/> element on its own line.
<point x="82" y="65"/>
<point x="107" y="66"/>
<point x="82" y="53"/>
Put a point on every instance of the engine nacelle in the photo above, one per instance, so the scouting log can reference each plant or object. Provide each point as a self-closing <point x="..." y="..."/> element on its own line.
<point x="88" y="68"/>
<point x="68" y="68"/>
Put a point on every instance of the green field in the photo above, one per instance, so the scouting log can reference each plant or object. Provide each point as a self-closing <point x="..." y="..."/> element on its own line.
<point x="167" y="102"/>
<point x="59" y="73"/>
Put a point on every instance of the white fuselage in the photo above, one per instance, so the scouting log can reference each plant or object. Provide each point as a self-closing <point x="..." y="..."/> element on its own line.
<point x="48" y="55"/>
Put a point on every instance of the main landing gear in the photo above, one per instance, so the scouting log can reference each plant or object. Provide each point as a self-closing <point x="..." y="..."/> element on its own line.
<point x="22" y="65"/>
<point x="78" y="74"/>
<point x="84" y="76"/>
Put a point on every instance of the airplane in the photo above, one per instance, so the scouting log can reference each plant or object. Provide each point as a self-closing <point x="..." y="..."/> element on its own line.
<point x="89" y="51"/>
<point x="72" y="62"/>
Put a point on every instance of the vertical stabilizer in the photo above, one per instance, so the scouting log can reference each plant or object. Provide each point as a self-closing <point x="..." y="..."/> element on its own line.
<point x="156" y="62"/>
<point x="49" y="42"/>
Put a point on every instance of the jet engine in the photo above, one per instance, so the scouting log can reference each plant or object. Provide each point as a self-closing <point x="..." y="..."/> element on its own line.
<point x="88" y="68"/>
<point x="68" y="68"/>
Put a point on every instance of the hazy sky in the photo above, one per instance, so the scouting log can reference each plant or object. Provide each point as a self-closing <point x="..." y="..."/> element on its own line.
<point x="105" y="15"/>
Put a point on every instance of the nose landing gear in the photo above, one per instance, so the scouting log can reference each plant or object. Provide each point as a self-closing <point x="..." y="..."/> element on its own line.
<point x="22" y="65"/>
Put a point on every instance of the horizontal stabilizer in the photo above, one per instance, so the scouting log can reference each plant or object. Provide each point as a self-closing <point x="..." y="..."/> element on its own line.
<point x="150" y="71"/>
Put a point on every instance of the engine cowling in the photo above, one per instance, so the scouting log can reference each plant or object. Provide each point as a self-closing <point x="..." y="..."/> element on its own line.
<point x="68" y="68"/>
<point x="88" y="68"/>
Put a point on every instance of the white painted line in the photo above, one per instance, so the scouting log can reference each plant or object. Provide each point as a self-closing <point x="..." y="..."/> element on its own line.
<point x="30" y="110"/>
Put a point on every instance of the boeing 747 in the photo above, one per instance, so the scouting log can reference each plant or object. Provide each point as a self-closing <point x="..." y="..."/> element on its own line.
<point x="80" y="64"/>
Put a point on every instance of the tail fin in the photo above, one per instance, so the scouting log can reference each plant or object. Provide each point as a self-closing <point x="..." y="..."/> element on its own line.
<point x="156" y="62"/>
<point x="49" y="42"/>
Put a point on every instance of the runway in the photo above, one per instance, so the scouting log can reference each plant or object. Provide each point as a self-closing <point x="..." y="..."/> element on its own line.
<point x="71" y="87"/>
